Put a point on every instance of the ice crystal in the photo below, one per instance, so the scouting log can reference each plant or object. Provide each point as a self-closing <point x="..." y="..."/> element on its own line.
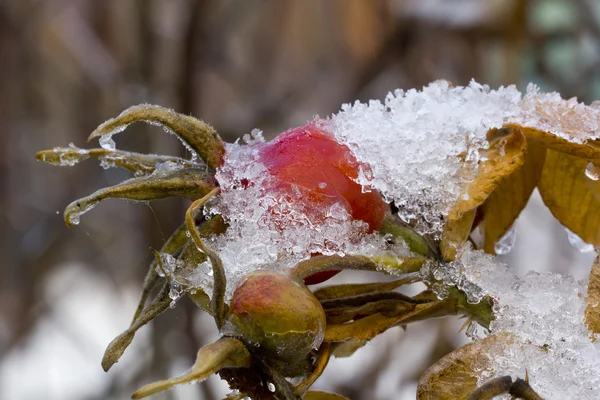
<point x="273" y="230"/>
<point x="545" y="313"/>
<point x="567" y="119"/>
<point x="413" y="140"/>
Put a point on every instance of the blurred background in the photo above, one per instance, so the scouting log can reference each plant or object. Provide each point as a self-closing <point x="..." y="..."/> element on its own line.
<point x="68" y="65"/>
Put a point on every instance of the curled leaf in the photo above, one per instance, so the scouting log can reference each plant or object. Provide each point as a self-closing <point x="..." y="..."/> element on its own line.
<point x="572" y="197"/>
<point x="506" y="202"/>
<point x="117" y="347"/>
<point x="196" y="134"/>
<point x="141" y="164"/>
<point x="184" y="182"/>
<point x="454" y="376"/>
<point x="505" y="155"/>
<point x="217" y="303"/>
<point x="592" y="309"/>
<point x="226" y="352"/>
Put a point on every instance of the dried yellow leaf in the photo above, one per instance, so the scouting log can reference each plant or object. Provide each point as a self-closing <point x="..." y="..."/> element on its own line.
<point x="572" y="197"/>
<point x="456" y="233"/>
<point x="226" y="352"/>
<point x="592" y="310"/>
<point x="506" y="202"/>
<point x="367" y="328"/>
<point x="505" y="155"/>
<point x="454" y="376"/>
<point x="589" y="149"/>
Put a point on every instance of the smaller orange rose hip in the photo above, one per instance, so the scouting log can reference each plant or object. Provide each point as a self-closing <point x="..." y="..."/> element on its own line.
<point x="281" y="316"/>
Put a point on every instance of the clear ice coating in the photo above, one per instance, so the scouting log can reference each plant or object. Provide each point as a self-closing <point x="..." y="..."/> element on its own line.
<point x="273" y="230"/>
<point x="578" y="243"/>
<point x="592" y="171"/>
<point x="506" y="243"/>
<point x="107" y="142"/>
<point x="545" y="313"/>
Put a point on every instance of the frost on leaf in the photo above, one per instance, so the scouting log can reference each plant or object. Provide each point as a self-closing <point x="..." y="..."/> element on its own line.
<point x="567" y="119"/>
<point x="454" y="376"/>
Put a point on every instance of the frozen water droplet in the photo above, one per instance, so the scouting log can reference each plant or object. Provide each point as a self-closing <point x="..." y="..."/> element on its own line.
<point x="578" y="243"/>
<point x="271" y="387"/>
<point x="506" y="242"/>
<point x="592" y="171"/>
<point x="107" y="142"/>
<point x="74" y="219"/>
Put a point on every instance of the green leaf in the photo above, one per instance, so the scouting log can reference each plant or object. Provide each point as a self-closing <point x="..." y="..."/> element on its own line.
<point x="185" y="182"/>
<point x="385" y="263"/>
<point x="398" y="229"/>
<point x="142" y="164"/>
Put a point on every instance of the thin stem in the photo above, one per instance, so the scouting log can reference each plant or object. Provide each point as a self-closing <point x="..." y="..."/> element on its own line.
<point x="217" y="302"/>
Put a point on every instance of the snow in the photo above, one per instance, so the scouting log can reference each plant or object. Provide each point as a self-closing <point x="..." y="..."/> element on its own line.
<point x="257" y="238"/>
<point x="413" y="142"/>
<point x="567" y="119"/>
<point x="545" y="312"/>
